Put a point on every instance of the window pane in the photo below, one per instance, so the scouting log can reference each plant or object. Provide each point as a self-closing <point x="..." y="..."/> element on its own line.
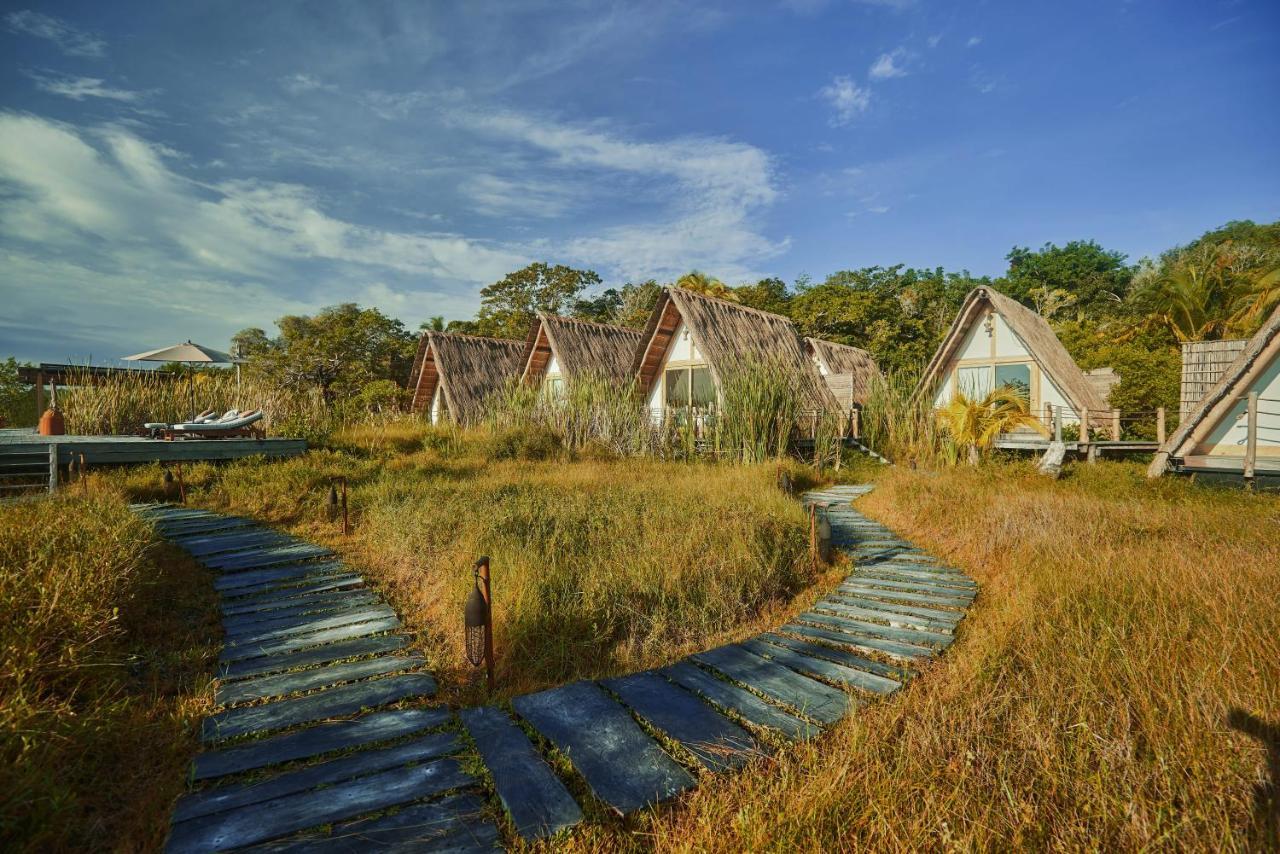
<point x="678" y="387"/>
<point x="704" y="390"/>
<point x="974" y="382"/>
<point x="555" y="386"/>
<point x="1017" y="377"/>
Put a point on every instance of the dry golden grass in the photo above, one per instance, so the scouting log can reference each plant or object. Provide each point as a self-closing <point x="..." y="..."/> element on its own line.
<point x="107" y="640"/>
<point x="1116" y="687"/>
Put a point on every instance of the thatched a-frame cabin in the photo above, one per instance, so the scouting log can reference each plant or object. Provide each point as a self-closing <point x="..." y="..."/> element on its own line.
<point x="997" y="341"/>
<point x="692" y="341"/>
<point x="562" y="348"/>
<point x="1203" y="364"/>
<point x="1214" y="437"/>
<point x="847" y="371"/>
<point x="453" y="374"/>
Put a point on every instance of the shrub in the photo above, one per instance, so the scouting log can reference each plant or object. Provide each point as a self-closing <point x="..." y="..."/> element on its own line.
<point x="532" y="443"/>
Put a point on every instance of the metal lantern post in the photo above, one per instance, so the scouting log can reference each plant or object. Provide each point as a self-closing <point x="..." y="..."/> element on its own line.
<point x="824" y="535"/>
<point x="479" y="621"/>
<point x="333" y="502"/>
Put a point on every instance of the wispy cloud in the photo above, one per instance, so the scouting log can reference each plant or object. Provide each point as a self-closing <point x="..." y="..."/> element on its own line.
<point x="973" y="41"/>
<point x="80" y="88"/>
<point x="889" y="65"/>
<point x="847" y="99"/>
<point x="297" y="84"/>
<point x="69" y="40"/>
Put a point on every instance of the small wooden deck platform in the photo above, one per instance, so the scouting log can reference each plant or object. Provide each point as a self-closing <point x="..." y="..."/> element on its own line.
<point x="1018" y="442"/>
<point x="101" y="450"/>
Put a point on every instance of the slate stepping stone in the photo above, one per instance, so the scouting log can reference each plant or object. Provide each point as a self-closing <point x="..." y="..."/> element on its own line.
<point x="301" y="626"/>
<point x="841" y="656"/>
<point x="432" y="826"/>
<point x="919" y="637"/>
<point x="258" y="558"/>
<point x="623" y="766"/>
<point x="726" y="695"/>
<point x="899" y="620"/>
<point x="956" y="582"/>
<point x="266" y="687"/>
<point x="821" y="668"/>
<point x="210" y="547"/>
<point x="867" y="637"/>
<point x="916" y="587"/>
<point x="291" y="813"/>
<point x="238" y="584"/>
<point x="858" y="642"/>
<point x="934" y="615"/>
<point x="207" y="526"/>
<point x="291" y="644"/>
<point x="715" y="741"/>
<point x="924" y="599"/>
<point x="330" y="703"/>
<point x="313" y="741"/>
<point x="344" y="601"/>
<point x="538" y="803"/>
<point x="285" y="593"/>
<point x="337" y="651"/>
<point x="349" y="767"/>
<point x="820" y="702"/>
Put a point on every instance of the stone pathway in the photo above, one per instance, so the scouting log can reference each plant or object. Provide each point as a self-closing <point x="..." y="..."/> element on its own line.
<point x="303" y="754"/>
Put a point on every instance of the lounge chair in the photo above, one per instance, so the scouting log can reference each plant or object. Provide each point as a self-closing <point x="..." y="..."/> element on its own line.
<point x="155" y="429"/>
<point x="232" y="424"/>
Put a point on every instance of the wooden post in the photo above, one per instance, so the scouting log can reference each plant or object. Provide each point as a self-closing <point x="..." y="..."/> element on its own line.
<point x="1057" y="424"/>
<point x="1115" y="425"/>
<point x="482" y="568"/>
<point x="84" y="482"/>
<point x="1084" y="426"/>
<point x="855" y="428"/>
<point x="39" y="393"/>
<point x="182" y="486"/>
<point x="346" y="525"/>
<point x="53" y="467"/>
<point x="813" y="534"/>
<point x="1160" y="426"/>
<point x="1251" y="440"/>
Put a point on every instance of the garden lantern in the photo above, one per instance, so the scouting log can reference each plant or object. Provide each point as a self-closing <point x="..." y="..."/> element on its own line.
<point x="478" y="621"/>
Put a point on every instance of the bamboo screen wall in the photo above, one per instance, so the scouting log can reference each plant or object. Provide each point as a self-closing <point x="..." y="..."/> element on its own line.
<point x="1203" y="363"/>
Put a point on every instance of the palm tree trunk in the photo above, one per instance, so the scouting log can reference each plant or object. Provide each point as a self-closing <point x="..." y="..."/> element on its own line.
<point x="973" y="455"/>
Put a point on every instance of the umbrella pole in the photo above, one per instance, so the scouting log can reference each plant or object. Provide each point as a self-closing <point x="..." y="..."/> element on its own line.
<point x="191" y="384"/>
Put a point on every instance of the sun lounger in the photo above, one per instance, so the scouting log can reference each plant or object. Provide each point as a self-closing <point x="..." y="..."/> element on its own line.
<point x="234" y="423"/>
<point x="155" y="428"/>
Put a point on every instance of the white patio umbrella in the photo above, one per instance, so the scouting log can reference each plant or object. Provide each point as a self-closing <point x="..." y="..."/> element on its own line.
<point x="187" y="353"/>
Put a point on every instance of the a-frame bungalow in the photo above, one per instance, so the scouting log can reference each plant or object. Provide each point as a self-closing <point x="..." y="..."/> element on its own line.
<point x="996" y="341"/>
<point x="1235" y="427"/>
<point x="691" y="341"/>
<point x="561" y="349"/>
<point x="847" y="371"/>
<point x="453" y="374"/>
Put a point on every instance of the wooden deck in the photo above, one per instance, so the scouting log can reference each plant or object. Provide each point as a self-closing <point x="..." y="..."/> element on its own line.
<point x="1018" y="442"/>
<point x="101" y="450"/>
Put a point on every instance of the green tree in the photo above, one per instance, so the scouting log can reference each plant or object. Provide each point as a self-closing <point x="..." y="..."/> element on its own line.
<point x="17" y="402"/>
<point x="701" y="283"/>
<point x="508" y="306"/>
<point x="638" y="301"/>
<point x="767" y="295"/>
<point x="250" y="342"/>
<point x="602" y="308"/>
<point x="1096" y="278"/>
<point x="434" y="324"/>
<point x="974" y="424"/>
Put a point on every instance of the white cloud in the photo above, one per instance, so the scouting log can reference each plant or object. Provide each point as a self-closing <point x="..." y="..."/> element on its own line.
<point x="79" y="88"/>
<point x="889" y="65"/>
<point x="935" y="39"/>
<point x="846" y="98"/>
<point x="69" y="40"/>
<point x="973" y="41"/>
<point x="297" y="84"/>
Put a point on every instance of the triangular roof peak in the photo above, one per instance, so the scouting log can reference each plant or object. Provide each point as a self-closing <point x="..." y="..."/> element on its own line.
<point x="579" y="346"/>
<point x="1036" y="335"/>
<point x="466" y="368"/>
<point x="1258" y="355"/>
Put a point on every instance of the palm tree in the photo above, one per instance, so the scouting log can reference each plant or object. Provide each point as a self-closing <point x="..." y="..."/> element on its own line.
<point x="975" y="424"/>
<point x="1257" y="303"/>
<point x="710" y="286"/>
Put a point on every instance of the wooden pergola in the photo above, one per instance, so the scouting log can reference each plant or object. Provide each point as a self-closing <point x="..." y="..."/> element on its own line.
<point x="52" y="373"/>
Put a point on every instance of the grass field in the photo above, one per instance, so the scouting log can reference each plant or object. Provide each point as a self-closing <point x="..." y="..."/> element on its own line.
<point x="1116" y="685"/>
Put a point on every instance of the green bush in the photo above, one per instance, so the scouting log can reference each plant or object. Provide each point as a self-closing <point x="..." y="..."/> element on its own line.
<point x="532" y="442"/>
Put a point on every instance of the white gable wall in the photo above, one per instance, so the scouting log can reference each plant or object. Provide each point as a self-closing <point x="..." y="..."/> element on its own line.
<point x="437" y="404"/>
<point x="1228" y="438"/>
<point x="681" y="349"/>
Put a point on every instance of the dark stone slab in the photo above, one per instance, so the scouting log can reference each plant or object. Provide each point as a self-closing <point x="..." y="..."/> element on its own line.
<point x="862" y="589"/>
<point x="291" y="813"/>
<point x="267" y="687"/>
<point x="344" y="601"/>
<point x="292" y="644"/>
<point x="306" y="624"/>
<point x="313" y="741"/>
<point x="624" y="767"/>
<point x="934" y="615"/>
<point x="853" y="622"/>
<point x="867" y="639"/>
<point x="351" y="648"/>
<point x="915" y="587"/>
<point x="821" y="668"/>
<point x="364" y="762"/>
<point x="279" y="594"/>
<point x="897" y="620"/>
<point x="726" y="695"/>
<point x="212" y="526"/>
<point x="207" y="547"/>
<point x="820" y="702"/>
<point x="538" y="803"/>
<point x="260" y="557"/>
<point x="454" y="822"/>
<point x="331" y="703"/>
<point x="240" y="583"/>
<point x="715" y="741"/>
<point x="840" y="656"/>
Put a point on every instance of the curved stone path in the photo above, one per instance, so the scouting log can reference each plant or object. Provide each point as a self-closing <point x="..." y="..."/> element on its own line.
<point x="326" y="738"/>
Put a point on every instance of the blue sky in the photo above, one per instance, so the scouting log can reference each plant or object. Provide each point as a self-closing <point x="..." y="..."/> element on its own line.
<point x="185" y="170"/>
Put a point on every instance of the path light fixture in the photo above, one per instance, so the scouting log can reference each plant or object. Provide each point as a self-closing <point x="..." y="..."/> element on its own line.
<point x="478" y="620"/>
<point x="824" y="535"/>
<point x="331" y="505"/>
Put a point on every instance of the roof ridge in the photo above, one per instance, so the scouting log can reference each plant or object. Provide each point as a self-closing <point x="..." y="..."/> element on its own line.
<point x="731" y="304"/>
<point x="487" y="338"/>
<point x="543" y="315"/>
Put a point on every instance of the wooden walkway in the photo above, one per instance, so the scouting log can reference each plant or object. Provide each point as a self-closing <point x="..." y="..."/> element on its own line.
<point x="302" y="757"/>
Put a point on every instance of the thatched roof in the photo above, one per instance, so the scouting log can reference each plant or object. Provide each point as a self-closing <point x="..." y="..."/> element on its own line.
<point x="728" y="335"/>
<point x="1257" y="356"/>
<point x="850" y="370"/>
<point x="1036" y="336"/>
<point x="1103" y="380"/>
<point x="580" y="347"/>
<point x="466" y="368"/>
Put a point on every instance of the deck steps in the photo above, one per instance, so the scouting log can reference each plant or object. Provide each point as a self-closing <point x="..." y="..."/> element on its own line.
<point x="321" y="742"/>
